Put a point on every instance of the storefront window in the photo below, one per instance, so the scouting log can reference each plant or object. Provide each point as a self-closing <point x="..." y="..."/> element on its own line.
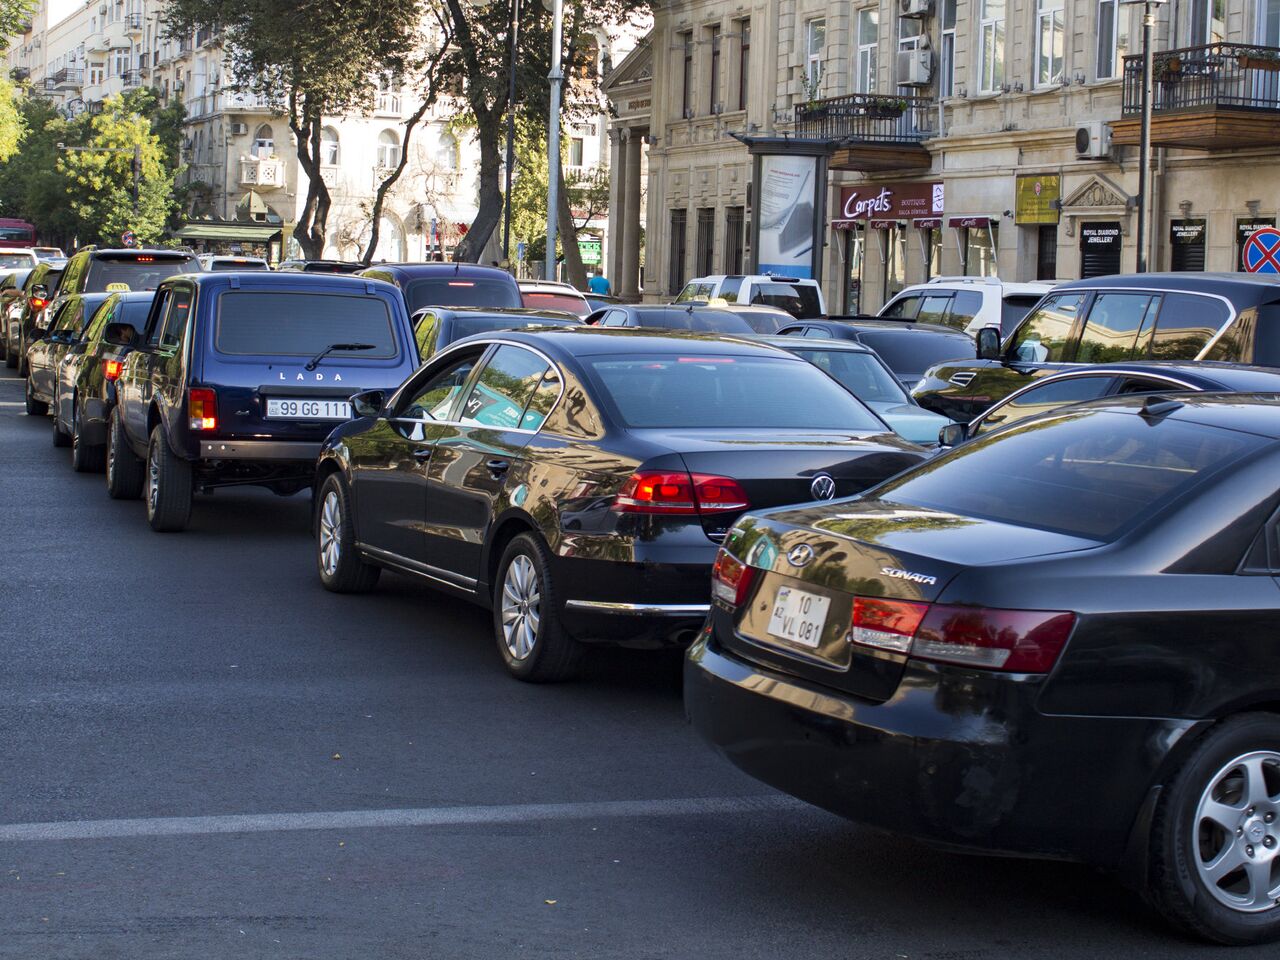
<point x="894" y="242"/>
<point x="1244" y="229"/>
<point x="980" y="245"/>
<point x="1186" y="244"/>
<point x="854" y="250"/>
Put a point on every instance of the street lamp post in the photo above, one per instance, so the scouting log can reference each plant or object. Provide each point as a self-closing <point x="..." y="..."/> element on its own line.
<point x="1144" y="135"/>
<point x="553" y="135"/>
<point x="512" y="37"/>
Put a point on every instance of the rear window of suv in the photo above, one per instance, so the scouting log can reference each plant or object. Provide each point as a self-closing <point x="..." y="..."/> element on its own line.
<point x="302" y="324"/>
<point x="136" y="271"/>
<point x="798" y="299"/>
<point x="460" y="292"/>
<point x="1089" y="474"/>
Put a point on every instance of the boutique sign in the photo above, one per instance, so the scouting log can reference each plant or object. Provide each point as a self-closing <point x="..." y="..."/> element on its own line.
<point x="865" y="202"/>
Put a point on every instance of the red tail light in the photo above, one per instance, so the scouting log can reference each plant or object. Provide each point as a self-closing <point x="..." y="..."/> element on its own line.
<point x="111" y="369"/>
<point x="660" y="491"/>
<point x="731" y="579"/>
<point x="1016" y="641"/>
<point x="38" y="303"/>
<point x="202" y="408"/>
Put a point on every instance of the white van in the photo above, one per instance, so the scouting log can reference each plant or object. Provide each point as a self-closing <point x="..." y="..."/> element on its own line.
<point x="800" y="298"/>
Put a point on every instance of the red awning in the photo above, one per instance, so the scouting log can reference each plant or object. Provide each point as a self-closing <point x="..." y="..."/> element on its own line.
<point x="928" y="223"/>
<point x="882" y="224"/>
<point x="969" y="222"/>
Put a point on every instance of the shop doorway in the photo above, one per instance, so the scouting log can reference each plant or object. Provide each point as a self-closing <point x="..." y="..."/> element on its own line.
<point x="1100" y="245"/>
<point x="1047" y="252"/>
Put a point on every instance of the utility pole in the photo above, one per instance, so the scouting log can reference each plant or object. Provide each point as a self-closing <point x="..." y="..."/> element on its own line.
<point x="513" y="35"/>
<point x="1144" y="135"/>
<point x="553" y="136"/>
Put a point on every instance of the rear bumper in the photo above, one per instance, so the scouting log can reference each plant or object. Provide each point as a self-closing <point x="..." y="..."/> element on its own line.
<point x="955" y="758"/>
<point x="260" y="450"/>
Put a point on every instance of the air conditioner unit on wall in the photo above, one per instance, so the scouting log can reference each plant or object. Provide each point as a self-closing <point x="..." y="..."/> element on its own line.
<point x="239" y="129"/>
<point x="914" y="68"/>
<point x="915" y="8"/>
<point x="1093" y="139"/>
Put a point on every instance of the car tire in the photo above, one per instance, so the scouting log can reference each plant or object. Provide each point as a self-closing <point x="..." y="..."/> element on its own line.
<point x="124" y="469"/>
<point x="60" y="439"/>
<point x="11" y="359"/>
<point x="526" y="621"/>
<point x="169" y="486"/>
<point x="340" y="566"/>
<point x="35" y="408"/>
<point x="1215" y="837"/>
<point x="85" y="457"/>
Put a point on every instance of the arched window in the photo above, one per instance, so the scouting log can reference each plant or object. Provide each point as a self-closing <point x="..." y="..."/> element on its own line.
<point x="264" y="141"/>
<point x="388" y="149"/>
<point x="329" y="147"/>
<point x="447" y="151"/>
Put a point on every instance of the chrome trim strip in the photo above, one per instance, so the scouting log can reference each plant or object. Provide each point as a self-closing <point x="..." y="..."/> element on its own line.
<point x="640" y="609"/>
<point x="1121" y="370"/>
<point x="446" y="577"/>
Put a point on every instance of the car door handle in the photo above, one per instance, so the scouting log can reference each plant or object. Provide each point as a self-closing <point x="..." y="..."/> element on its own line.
<point x="498" y="466"/>
<point x="422" y="453"/>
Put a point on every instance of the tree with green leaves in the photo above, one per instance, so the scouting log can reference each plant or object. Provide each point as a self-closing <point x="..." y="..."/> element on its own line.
<point x="101" y="187"/>
<point x="15" y="16"/>
<point x="315" y="58"/>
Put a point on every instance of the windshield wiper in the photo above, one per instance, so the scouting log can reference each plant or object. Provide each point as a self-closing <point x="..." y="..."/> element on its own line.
<point x="315" y="361"/>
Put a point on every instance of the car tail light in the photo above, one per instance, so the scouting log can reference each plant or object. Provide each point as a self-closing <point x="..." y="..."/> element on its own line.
<point x="664" y="491"/>
<point x="731" y="578"/>
<point x="111" y="369"/>
<point x="1016" y="641"/>
<point x="202" y="408"/>
<point x="38" y="303"/>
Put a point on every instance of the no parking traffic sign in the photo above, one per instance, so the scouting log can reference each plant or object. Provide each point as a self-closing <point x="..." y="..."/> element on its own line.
<point x="1262" y="251"/>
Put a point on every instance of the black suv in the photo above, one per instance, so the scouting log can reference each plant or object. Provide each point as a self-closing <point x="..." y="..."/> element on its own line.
<point x="239" y="377"/>
<point x="1233" y="317"/>
<point x="110" y="271"/>
<point x="26" y="311"/>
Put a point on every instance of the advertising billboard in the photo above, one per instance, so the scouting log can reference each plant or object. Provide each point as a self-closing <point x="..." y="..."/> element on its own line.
<point x="787" y="212"/>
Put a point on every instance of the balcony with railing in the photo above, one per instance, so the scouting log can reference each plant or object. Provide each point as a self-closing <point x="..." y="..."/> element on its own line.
<point x="131" y="79"/>
<point x="870" y="132"/>
<point x="1215" y="97"/>
<point x="265" y="173"/>
<point x="133" y="22"/>
<point x="66" y="78"/>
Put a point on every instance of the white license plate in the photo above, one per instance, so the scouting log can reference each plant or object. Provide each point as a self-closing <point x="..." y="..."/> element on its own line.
<point x="798" y="617"/>
<point x="279" y="408"/>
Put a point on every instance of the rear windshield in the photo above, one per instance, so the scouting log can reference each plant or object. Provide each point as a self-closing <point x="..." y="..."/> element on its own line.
<point x="714" y="393"/>
<point x="915" y="351"/>
<point x="302" y="324"/>
<point x="765" y="322"/>
<point x="713" y="321"/>
<point x="221" y="266"/>
<point x="539" y="300"/>
<point x="860" y="373"/>
<point x="466" y="326"/>
<point x="136" y="272"/>
<point x="1013" y="309"/>
<point x="798" y="299"/>
<point x="445" y="292"/>
<point x="1088" y="474"/>
<point x="10" y="261"/>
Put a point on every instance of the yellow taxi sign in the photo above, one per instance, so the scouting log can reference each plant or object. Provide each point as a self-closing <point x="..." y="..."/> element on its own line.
<point x="117" y="287"/>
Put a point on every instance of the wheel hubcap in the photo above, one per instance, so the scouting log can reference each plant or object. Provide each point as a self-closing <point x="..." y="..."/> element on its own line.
<point x="111" y="452"/>
<point x="75" y="428"/>
<point x="330" y="522"/>
<point x="153" y="480"/>
<point x="521" y="597"/>
<point x="1238" y="833"/>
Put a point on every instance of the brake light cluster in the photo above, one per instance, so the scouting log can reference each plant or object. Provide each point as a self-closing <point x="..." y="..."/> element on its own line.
<point x="111" y="369"/>
<point x="38" y="303"/>
<point x="1017" y="641"/>
<point x="731" y="579"/>
<point x="202" y="408"/>
<point x="678" y="492"/>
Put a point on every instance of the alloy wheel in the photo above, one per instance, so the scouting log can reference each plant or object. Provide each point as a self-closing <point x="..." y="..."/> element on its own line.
<point x="330" y="524"/>
<point x="521" y="596"/>
<point x="153" y="479"/>
<point x="1237" y="833"/>
<point x="111" y="450"/>
<point x="75" y="428"/>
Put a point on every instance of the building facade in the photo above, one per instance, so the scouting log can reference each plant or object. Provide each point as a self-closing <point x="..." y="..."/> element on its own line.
<point x="987" y="137"/>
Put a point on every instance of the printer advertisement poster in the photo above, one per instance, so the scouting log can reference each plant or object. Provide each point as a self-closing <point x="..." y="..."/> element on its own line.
<point x="786" y="207"/>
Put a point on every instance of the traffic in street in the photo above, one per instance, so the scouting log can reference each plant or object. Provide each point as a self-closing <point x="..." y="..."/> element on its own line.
<point x="207" y="753"/>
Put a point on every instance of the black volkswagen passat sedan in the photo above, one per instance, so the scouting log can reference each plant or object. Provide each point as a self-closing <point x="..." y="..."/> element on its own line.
<point x="1056" y="640"/>
<point x="579" y="480"/>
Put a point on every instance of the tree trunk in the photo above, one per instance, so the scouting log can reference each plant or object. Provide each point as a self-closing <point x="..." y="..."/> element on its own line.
<point x="488" y="132"/>
<point x="313" y="221"/>
<point x="568" y="230"/>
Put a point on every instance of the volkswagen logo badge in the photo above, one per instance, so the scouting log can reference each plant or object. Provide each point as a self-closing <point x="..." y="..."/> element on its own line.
<point x="823" y="487"/>
<point x="800" y="555"/>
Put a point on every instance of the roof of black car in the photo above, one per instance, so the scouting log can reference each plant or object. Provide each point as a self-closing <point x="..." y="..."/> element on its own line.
<point x="136" y="252"/>
<point x="1232" y="376"/>
<point x="415" y="271"/>
<point x="248" y="279"/>
<point x="899" y="325"/>
<point x="583" y="341"/>
<point x="825" y="343"/>
<point x="1246" y="287"/>
<point x="1257" y="413"/>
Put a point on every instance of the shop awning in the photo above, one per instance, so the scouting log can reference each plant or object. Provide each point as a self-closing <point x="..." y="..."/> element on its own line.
<point x="957" y="222"/>
<point x="883" y="224"/>
<point x="928" y="223"/>
<point x="259" y="232"/>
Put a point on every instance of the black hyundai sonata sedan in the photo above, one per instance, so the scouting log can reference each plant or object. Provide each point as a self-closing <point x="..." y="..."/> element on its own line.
<point x="1057" y="640"/>
<point x="579" y="480"/>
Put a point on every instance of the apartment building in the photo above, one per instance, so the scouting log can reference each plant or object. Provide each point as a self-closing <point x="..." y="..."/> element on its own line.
<point x="927" y="137"/>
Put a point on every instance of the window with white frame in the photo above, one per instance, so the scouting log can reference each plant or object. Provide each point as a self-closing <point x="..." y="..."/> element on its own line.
<point x="329" y="147"/>
<point x="1049" y="42"/>
<point x="1208" y="22"/>
<point x="815" y="41"/>
<point x="447" y="151"/>
<point x="119" y="63"/>
<point x="575" y="151"/>
<point x="388" y="149"/>
<point x="1113" y="38"/>
<point x="911" y="34"/>
<point x="864" y="74"/>
<point x="991" y="45"/>
<point x="95" y="74"/>
<point x="947" y="55"/>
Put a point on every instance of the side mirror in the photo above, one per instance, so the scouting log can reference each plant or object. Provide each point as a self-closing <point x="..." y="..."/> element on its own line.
<point x="989" y="343"/>
<point x="370" y="403"/>
<point x="953" y="434"/>
<point x="119" y="334"/>
<point x="39" y="292"/>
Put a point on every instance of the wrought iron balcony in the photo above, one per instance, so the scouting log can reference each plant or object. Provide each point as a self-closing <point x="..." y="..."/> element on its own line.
<point x="131" y="78"/>
<point x="133" y="22"/>
<point x="66" y="77"/>
<point x="871" y="131"/>
<point x="1216" y="96"/>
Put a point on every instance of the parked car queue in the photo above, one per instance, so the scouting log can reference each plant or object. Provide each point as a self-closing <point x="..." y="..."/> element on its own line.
<point x="945" y="650"/>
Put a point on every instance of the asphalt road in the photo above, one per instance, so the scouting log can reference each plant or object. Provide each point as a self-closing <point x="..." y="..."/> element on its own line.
<point x="204" y="754"/>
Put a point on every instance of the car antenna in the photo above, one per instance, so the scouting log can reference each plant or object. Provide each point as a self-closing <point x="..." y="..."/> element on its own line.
<point x="1155" y="406"/>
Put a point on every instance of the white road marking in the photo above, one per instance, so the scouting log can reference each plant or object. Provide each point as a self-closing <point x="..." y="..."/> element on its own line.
<point x="419" y="817"/>
<point x="12" y="403"/>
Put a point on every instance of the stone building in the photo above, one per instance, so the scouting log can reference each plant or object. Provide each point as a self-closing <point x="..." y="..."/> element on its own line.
<point x="993" y="137"/>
